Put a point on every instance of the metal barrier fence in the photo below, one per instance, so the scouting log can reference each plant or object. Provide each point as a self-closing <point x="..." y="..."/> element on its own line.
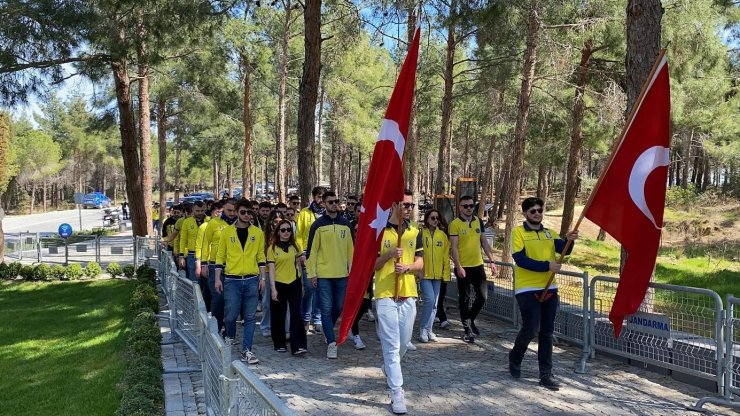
<point x="21" y="245"/>
<point x="230" y="388"/>
<point x="146" y="249"/>
<point x="51" y="249"/>
<point x="677" y="328"/>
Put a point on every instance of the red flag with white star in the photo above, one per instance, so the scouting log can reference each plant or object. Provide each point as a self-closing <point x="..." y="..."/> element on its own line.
<point x="629" y="199"/>
<point x="384" y="186"/>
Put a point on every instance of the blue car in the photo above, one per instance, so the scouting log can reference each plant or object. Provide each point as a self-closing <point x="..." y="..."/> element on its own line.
<point x="96" y="200"/>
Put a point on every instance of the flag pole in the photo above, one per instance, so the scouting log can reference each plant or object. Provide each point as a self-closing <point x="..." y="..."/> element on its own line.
<point x="615" y="146"/>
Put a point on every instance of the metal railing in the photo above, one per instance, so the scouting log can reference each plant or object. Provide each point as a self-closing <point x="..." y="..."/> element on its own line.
<point x="52" y="249"/>
<point x="678" y="328"/>
<point x="230" y="388"/>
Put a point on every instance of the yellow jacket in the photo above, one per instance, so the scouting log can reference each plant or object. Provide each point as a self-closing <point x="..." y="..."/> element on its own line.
<point x="199" y="239"/>
<point x="176" y="240"/>
<point x="385" y="277"/>
<point x="238" y="260"/>
<point x="211" y="238"/>
<point x="436" y="255"/>
<point x="303" y="223"/>
<point x="329" y="248"/>
<point x="189" y="234"/>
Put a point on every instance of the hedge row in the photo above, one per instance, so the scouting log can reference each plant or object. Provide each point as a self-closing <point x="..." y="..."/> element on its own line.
<point x="45" y="272"/>
<point x="143" y="394"/>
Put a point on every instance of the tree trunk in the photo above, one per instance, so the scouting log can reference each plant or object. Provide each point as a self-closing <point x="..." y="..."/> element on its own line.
<point x="412" y="161"/>
<point x="129" y="146"/>
<point x="145" y="141"/>
<point x="487" y="178"/>
<point x="247" y="190"/>
<point x="282" y="104"/>
<point x="178" y="167"/>
<point x="357" y="191"/>
<point x="542" y="184"/>
<point x="466" y="151"/>
<point x="162" y="147"/>
<point x="308" y="93"/>
<point x="33" y="196"/>
<point x="320" y="134"/>
<point x="643" y="47"/>
<point x="334" y="163"/>
<point x="520" y="131"/>
<point x="572" y="177"/>
<point x="229" y="179"/>
<point x="216" y="173"/>
<point x="443" y="155"/>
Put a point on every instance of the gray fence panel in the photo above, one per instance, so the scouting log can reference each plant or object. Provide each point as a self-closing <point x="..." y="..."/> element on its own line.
<point x="185" y="312"/>
<point x="119" y="249"/>
<point x="250" y="396"/>
<point x="695" y="320"/>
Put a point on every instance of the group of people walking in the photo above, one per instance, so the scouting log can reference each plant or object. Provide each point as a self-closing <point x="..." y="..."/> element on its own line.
<point x="294" y="263"/>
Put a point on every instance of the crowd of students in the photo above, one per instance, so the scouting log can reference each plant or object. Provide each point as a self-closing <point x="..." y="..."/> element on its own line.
<point x="294" y="264"/>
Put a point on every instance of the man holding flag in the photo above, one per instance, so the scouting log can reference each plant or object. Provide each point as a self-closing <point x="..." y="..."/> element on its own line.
<point x="385" y="186"/>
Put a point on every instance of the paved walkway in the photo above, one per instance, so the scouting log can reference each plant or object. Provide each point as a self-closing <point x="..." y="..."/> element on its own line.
<point x="454" y="378"/>
<point x="183" y="390"/>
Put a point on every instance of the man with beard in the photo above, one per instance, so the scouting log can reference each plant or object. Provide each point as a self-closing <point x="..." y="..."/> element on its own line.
<point x="188" y="235"/>
<point x="304" y="219"/>
<point x="534" y="247"/>
<point x="168" y="228"/>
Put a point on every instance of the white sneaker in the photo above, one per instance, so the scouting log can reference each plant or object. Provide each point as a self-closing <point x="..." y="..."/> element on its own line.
<point x="249" y="357"/>
<point x="410" y="346"/>
<point x="423" y="337"/>
<point x="370" y="316"/>
<point x="331" y="351"/>
<point x="444" y="324"/>
<point x="432" y="336"/>
<point x="398" y="402"/>
<point x="359" y="345"/>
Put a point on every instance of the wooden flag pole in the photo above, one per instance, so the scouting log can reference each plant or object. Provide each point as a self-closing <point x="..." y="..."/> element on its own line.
<point x="615" y="147"/>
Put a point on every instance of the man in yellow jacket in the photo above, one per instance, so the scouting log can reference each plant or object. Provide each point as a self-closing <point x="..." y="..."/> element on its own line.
<point x="303" y="220"/>
<point x="329" y="257"/>
<point x="395" y="293"/>
<point x="188" y="236"/>
<point x="240" y="276"/>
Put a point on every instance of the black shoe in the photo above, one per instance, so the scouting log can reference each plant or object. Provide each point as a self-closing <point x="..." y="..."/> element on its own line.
<point x="469" y="338"/>
<point x="474" y="328"/>
<point x="550" y="384"/>
<point x="515" y="370"/>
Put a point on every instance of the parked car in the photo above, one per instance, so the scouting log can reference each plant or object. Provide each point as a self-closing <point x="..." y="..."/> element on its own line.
<point x="96" y="200"/>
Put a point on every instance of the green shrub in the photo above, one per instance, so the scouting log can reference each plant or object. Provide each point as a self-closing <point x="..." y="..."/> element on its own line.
<point x="42" y="272"/>
<point x="145" y="297"/>
<point x="114" y="270"/>
<point x="129" y="271"/>
<point x="57" y="272"/>
<point x="14" y="269"/>
<point x="27" y="273"/>
<point x="4" y="271"/>
<point x="684" y="198"/>
<point x="146" y="370"/>
<point x="92" y="270"/>
<point x="146" y="273"/>
<point x="132" y="403"/>
<point x="74" y="271"/>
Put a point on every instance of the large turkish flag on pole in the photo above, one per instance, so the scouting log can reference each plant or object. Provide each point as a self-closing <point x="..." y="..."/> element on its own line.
<point x="384" y="186"/>
<point x="629" y="199"/>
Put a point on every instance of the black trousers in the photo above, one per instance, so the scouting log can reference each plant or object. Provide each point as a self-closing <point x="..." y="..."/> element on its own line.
<point x="364" y="307"/>
<point x="205" y="290"/>
<point x="289" y="296"/>
<point x="441" y="314"/>
<point x="474" y="286"/>
<point x="537" y="318"/>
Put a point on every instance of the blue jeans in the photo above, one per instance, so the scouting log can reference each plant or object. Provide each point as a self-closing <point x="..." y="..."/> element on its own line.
<point x="429" y="294"/>
<point x="190" y="266"/>
<point x="331" y="295"/>
<point x="310" y="304"/>
<point x="241" y="295"/>
<point x="217" y="299"/>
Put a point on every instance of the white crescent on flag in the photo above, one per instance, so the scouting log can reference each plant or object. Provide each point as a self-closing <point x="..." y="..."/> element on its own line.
<point x="389" y="131"/>
<point x="649" y="160"/>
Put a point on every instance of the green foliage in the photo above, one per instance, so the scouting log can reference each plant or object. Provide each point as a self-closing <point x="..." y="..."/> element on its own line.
<point x="92" y="270"/>
<point x="57" y="272"/>
<point x="684" y="198"/>
<point x="74" y="271"/>
<point x="42" y="272"/>
<point x="114" y="270"/>
<point x="14" y="269"/>
<point x="27" y="272"/>
<point x="146" y="273"/>
<point x="129" y="271"/>
<point x="4" y="271"/>
<point x="145" y="297"/>
<point x="8" y="166"/>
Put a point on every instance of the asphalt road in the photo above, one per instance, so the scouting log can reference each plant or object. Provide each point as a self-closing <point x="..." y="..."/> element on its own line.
<point x="50" y="221"/>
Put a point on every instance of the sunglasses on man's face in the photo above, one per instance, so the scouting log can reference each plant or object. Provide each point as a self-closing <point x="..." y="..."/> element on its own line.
<point x="533" y="210"/>
<point x="331" y="201"/>
<point x="466" y="206"/>
<point x="243" y="212"/>
<point x="408" y="205"/>
<point x="286" y="230"/>
<point x="351" y="204"/>
<point x="295" y="203"/>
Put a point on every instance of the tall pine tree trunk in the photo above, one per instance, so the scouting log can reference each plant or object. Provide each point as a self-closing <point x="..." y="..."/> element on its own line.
<point x="444" y="135"/>
<point x="308" y="93"/>
<point x="162" y="147"/>
<point x="282" y="104"/>
<point x="247" y="190"/>
<point x="178" y="167"/>
<point x="572" y="176"/>
<point x="145" y="140"/>
<point x="412" y="161"/>
<point x="320" y="134"/>
<point x="520" y="131"/>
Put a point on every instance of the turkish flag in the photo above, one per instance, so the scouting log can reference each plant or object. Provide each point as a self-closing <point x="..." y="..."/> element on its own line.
<point x="384" y="186"/>
<point x="629" y="200"/>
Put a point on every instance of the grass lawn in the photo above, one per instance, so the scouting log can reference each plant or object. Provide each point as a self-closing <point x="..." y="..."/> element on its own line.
<point x="698" y="270"/>
<point x="61" y="347"/>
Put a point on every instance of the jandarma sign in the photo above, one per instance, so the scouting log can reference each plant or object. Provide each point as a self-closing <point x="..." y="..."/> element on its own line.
<point x="650" y="323"/>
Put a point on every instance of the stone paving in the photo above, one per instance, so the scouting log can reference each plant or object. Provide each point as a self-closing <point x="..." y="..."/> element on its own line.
<point x="183" y="390"/>
<point x="454" y="378"/>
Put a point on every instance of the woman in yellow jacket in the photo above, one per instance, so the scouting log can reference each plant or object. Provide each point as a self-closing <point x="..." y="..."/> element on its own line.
<point x="436" y="269"/>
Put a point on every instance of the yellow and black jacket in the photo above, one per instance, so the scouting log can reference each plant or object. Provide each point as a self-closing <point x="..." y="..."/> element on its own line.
<point x="211" y="236"/>
<point x="189" y="234"/>
<point x="533" y="250"/>
<point x="329" y="248"/>
<point x="238" y="260"/>
<point x="436" y="255"/>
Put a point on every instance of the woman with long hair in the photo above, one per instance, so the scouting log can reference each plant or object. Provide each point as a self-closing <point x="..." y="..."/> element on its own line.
<point x="436" y="270"/>
<point x="283" y="263"/>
